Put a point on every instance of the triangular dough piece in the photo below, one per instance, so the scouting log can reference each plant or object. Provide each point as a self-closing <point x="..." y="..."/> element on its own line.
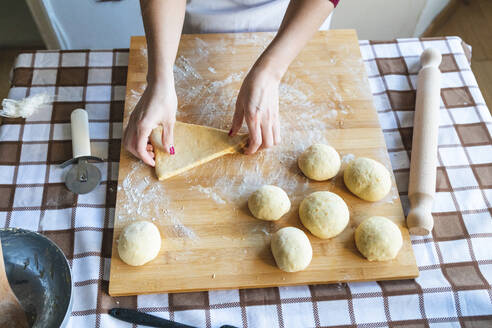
<point x="195" y="145"/>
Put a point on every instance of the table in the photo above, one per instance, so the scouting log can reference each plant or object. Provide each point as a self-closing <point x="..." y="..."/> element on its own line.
<point x="455" y="262"/>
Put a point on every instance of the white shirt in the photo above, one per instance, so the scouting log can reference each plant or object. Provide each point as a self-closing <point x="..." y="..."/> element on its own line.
<point x="223" y="16"/>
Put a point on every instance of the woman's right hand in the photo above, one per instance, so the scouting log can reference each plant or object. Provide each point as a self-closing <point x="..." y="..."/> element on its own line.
<point x="157" y="106"/>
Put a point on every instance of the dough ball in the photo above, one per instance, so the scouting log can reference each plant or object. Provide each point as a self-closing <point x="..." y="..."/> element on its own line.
<point x="367" y="179"/>
<point x="319" y="162"/>
<point x="269" y="203"/>
<point x="378" y="239"/>
<point x="291" y="249"/>
<point x="324" y="214"/>
<point x="139" y="243"/>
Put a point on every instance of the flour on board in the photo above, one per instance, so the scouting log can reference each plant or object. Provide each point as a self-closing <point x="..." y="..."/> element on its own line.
<point x="209" y="192"/>
<point x="212" y="103"/>
<point x="144" y="198"/>
<point x="347" y="158"/>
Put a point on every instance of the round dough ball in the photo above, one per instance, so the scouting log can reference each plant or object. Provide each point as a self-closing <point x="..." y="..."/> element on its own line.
<point x="367" y="179"/>
<point x="378" y="239"/>
<point x="291" y="249"/>
<point x="324" y="214"/>
<point x="269" y="203"/>
<point x="319" y="162"/>
<point x="139" y="243"/>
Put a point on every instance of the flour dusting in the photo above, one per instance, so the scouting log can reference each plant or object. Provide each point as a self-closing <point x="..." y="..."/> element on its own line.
<point x="209" y="192"/>
<point x="181" y="230"/>
<point x="134" y="188"/>
<point x="135" y="97"/>
<point x="304" y="120"/>
<point x="212" y="103"/>
<point x="144" y="198"/>
<point x="346" y="159"/>
<point x="260" y="40"/>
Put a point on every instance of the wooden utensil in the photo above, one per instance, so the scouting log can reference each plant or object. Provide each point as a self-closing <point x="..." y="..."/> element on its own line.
<point x="422" y="183"/>
<point x="11" y="312"/>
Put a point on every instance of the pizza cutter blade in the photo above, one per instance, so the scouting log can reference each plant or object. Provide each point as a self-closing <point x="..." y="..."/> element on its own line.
<point x="83" y="177"/>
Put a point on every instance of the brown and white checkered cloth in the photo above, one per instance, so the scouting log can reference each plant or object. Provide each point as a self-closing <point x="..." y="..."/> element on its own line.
<point x="454" y="286"/>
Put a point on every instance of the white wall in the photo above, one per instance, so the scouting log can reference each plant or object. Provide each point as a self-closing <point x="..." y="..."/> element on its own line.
<point x="75" y="24"/>
<point x="386" y="19"/>
<point x="433" y="8"/>
<point x="90" y="24"/>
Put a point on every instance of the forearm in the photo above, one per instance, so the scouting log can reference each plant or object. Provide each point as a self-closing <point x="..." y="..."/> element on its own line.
<point x="163" y="22"/>
<point x="302" y="19"/>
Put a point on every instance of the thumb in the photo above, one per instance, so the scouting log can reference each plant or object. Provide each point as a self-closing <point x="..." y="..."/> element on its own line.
<point x="142" y="138"/>
<point x="237" y="120"/>
<point x="168" y="137"/>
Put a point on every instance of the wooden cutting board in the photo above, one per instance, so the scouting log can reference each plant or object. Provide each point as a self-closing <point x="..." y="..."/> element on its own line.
<point x="210" y="240"/>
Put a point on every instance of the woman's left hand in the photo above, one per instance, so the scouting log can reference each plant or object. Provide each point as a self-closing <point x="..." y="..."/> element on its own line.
<point x="257" y="103"/>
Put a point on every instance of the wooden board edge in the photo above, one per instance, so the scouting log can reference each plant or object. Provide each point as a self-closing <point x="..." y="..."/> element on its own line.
<point x="133" y="40"/>
<point x="115" y="293"/>
<point x="414" y="271"/>
<point x="140" y="38"/>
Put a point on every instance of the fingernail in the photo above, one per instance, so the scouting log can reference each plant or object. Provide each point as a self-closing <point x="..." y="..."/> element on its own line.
<point x="171" y="150"/>
<point x="230" y="132"/>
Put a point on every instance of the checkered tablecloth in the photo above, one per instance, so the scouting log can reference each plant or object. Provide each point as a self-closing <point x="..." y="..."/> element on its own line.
<point x="455" y="262"/>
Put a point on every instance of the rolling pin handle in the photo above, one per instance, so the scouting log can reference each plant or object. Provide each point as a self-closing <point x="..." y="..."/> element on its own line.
<point x="431" y="57"/>
<point x="420" y="221"/>
<point x="81" y="142"/>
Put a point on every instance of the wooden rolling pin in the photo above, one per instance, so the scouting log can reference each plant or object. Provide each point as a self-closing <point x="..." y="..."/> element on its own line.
<point x="422" y="183"/>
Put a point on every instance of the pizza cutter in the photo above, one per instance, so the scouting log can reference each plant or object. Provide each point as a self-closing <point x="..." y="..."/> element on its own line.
<point x="83" y="177"/>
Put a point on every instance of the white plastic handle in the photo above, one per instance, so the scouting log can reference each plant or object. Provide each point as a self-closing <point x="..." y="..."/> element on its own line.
<point x="81" y="142"/>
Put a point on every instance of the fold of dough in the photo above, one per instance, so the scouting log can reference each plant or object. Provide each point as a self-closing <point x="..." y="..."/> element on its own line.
<point x="195" y="145"/>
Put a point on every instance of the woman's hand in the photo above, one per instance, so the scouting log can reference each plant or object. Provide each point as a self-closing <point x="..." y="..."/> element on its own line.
<point x="157" y="106"/>
<point x="257" y="103"/>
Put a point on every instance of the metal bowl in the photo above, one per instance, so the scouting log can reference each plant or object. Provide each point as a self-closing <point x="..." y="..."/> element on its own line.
<point x="39" y="275"/>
